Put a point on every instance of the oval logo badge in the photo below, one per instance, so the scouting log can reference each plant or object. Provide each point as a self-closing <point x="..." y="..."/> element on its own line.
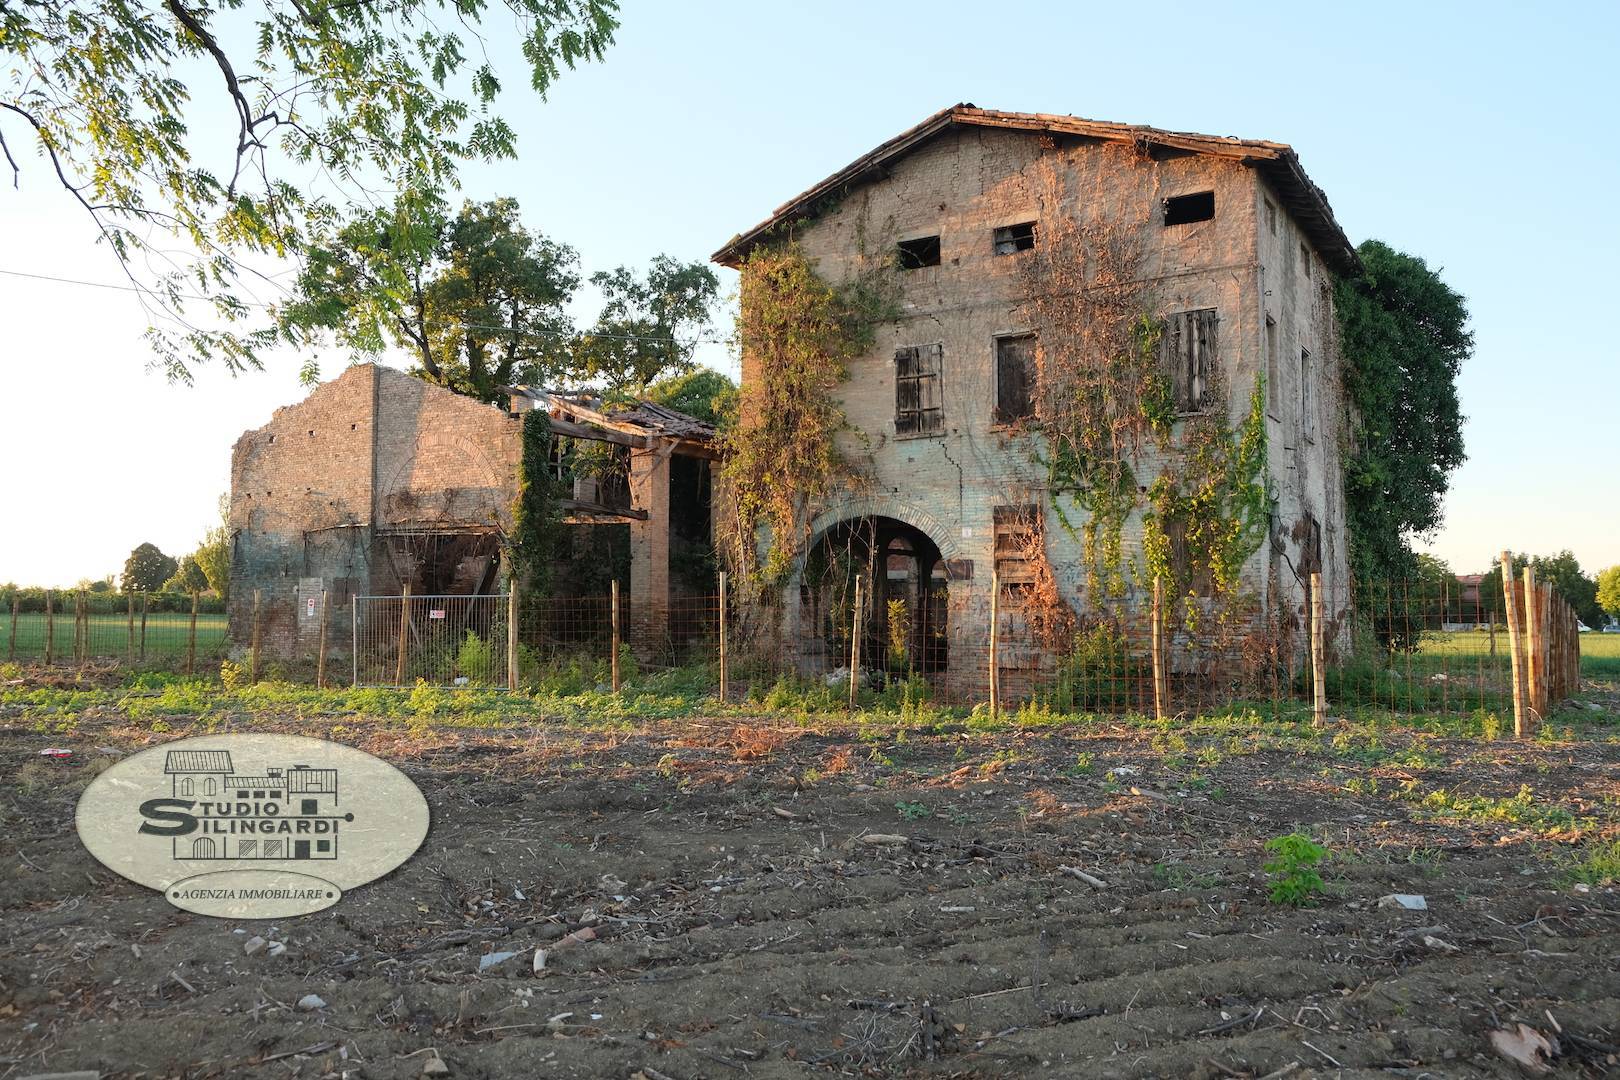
<point x="252" y="826"/>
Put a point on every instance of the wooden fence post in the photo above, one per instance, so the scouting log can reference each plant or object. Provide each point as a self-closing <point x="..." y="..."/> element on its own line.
<point x="11" y="649"/>
<point x="855" y="645"/>
<point x="613" y="601"/>
<point x="320" y="640"/>
<point x="512" y="636"/>
<point x="191" y="638"/>
<point x="1535" y="662"/>
<point x="1510" y="608"/>
<point x="1319" y="714"/>
<point x="1158" y="649"/>
<point x="723" y="672"/>
<point x="258" y="634"/>
<point x="81" y="629"/>
<point x="146" y="608"/>
<point x="50" y="630"/>
<point x="130" y="650"/>
<point x="995" y="643"/>
<point x="404" y="633"/>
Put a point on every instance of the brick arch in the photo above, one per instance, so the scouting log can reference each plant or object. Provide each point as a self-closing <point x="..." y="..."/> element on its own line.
<point x="889" y="506"/>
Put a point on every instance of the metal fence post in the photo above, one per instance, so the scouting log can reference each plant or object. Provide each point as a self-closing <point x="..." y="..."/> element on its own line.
<point x="146" y="607"/>
<point x="81" y="629"/>
<point x="257" y="635"/>
<point x="11" y="649"/>
<point x="130" y="649"/>
<point x="354" y="640"/>
<point x="723" y="672"/>
<point x="995" y="643"/>
<point x="50" y="630"/>
<point x="1158" y="650"/>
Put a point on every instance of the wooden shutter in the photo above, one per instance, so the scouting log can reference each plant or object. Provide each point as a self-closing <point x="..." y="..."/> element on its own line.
<point x="1015" y="365"/>
<point x="1190" y="355"/>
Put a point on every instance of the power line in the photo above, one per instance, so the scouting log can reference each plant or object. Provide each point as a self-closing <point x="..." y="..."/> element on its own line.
<point x="701" y="339"/>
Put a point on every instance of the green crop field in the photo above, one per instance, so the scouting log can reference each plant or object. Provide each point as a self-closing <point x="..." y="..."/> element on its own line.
<point x="167" y="634"/>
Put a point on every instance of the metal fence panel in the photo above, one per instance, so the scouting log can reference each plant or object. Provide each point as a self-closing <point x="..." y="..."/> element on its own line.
<point x="440" y="640"/>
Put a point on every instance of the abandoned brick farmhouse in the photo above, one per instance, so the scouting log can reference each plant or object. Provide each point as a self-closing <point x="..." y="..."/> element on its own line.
<point x="1229" y="242"/>
<point x="1223" y="246"/>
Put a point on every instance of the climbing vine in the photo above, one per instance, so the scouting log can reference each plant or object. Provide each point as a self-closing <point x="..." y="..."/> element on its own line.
<point x="535" y="516"/>
<point x="797" y="334"/>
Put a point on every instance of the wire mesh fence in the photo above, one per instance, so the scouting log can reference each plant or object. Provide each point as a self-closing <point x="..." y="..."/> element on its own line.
<point x="1410" y="647"/>
<point x="441" y="640"/>
<point x="83" y="627"/>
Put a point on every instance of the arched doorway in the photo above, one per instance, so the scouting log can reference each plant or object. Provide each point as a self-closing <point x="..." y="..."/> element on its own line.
<point x="905" y="603"/>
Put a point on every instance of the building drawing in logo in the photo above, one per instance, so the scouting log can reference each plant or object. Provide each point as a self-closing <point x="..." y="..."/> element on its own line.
<point x="286" y="813"/>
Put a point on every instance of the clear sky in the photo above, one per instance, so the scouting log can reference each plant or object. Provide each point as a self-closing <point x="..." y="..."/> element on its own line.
<point x="1479" y="136"/>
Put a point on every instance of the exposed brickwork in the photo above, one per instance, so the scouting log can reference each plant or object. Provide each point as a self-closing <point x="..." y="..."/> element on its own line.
<point x="965" y="184"/>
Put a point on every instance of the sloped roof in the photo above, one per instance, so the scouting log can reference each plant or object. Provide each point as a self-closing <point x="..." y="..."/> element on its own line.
<point x="183" y="761"/>
<point x="644" y="417"/>
<point x="1276" y="161"/>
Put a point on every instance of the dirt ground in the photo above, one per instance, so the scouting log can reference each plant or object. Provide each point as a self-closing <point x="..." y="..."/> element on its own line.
<point x="712" y="904"/>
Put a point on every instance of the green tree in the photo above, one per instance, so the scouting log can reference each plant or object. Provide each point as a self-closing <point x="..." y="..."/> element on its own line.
<point x="147" y="569"/>
<point x="366" y="96"/>
<point x="1608" y="591"/>
<point x="1563" y="571"/>
<point x="649" y="325"/>
<point x="701" y="393"/>
<point x="478" y="299"/>
<point x="1404" y="336"/>
<point x="213" y="555"/>
<point x="187" y="577"/>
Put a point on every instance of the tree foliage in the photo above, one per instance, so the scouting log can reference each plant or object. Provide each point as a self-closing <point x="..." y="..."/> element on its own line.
<point x="365" y="96"/>
<point x="535" y="514"/>
<point x="1404" y="337"/>
<point x="147" y="569"/>
<point x="704" y="394"/>
<point x="1562" y="571"/>
<point x="649" y="325"/>
<point x="213" y="555"/>
<point x="1608" y="591"/>
<point x="188" y="576"/>
<point x="477" y="299"/>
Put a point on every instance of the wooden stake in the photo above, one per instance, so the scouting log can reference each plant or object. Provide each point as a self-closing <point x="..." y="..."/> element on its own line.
<point x="11" y="649"/>
<point x="995" y="643"/>
<point x="191" y="638"/>
<point x="613" y="601"/>
<point x="722" y="637"/>
<point x="1319" y="715"/>
<point x="320" y="639"/>
<point x="512" y="609"/>
<point x="1535" y="662"/>
<point x="50" y="630"/>
<point x="855" y="645"/>
<point x="81" y="629"/>
<point x="258" y="634"/>
<point x="1158" y="650"/>
<point x="1510" y="609"/>
<point x="146" y="608"/>
<point x="131" y="649"/>
<point x="404" y="632"/>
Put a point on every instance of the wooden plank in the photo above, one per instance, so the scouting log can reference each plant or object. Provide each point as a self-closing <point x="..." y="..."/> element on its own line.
<point x="598" y="434"/>
<point x="1510" y="611"/>
<point x="1535" y="658"/>
<point x="577" y="512"/>
<point x="1319" y="714"/>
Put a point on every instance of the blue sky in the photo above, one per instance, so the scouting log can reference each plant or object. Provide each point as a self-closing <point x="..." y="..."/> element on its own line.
<point x="1479" y="136"/>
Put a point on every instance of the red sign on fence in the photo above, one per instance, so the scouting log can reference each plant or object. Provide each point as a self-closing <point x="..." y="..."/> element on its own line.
<point x="436" y="613"/>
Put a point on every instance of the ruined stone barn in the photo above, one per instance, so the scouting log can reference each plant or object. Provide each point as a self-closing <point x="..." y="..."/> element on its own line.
<point x="1228" y="249"/>
<point x="379" y="480"/>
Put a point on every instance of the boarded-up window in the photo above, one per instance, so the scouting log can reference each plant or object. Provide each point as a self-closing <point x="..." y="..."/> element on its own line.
<point x="917" y="405"/>
<point x="1015" y="378"/>
<point x="1018" y="542"/>
<point x="1189" y="571"/>
<point x="1190" y="354"/>
<point x="1273" y="369"/>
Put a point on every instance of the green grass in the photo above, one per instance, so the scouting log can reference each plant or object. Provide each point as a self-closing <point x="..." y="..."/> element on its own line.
<point x="166" y="634"/>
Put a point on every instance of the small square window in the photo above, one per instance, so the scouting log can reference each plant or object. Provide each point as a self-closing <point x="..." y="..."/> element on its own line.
<point x="918" y="253"/>
<point x="241" y="794"/>
<point x="1011" y="239"/>
<point x="258" y="794"/>
<point x="1185" y="209"/>
<point x="323" y="845"/>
